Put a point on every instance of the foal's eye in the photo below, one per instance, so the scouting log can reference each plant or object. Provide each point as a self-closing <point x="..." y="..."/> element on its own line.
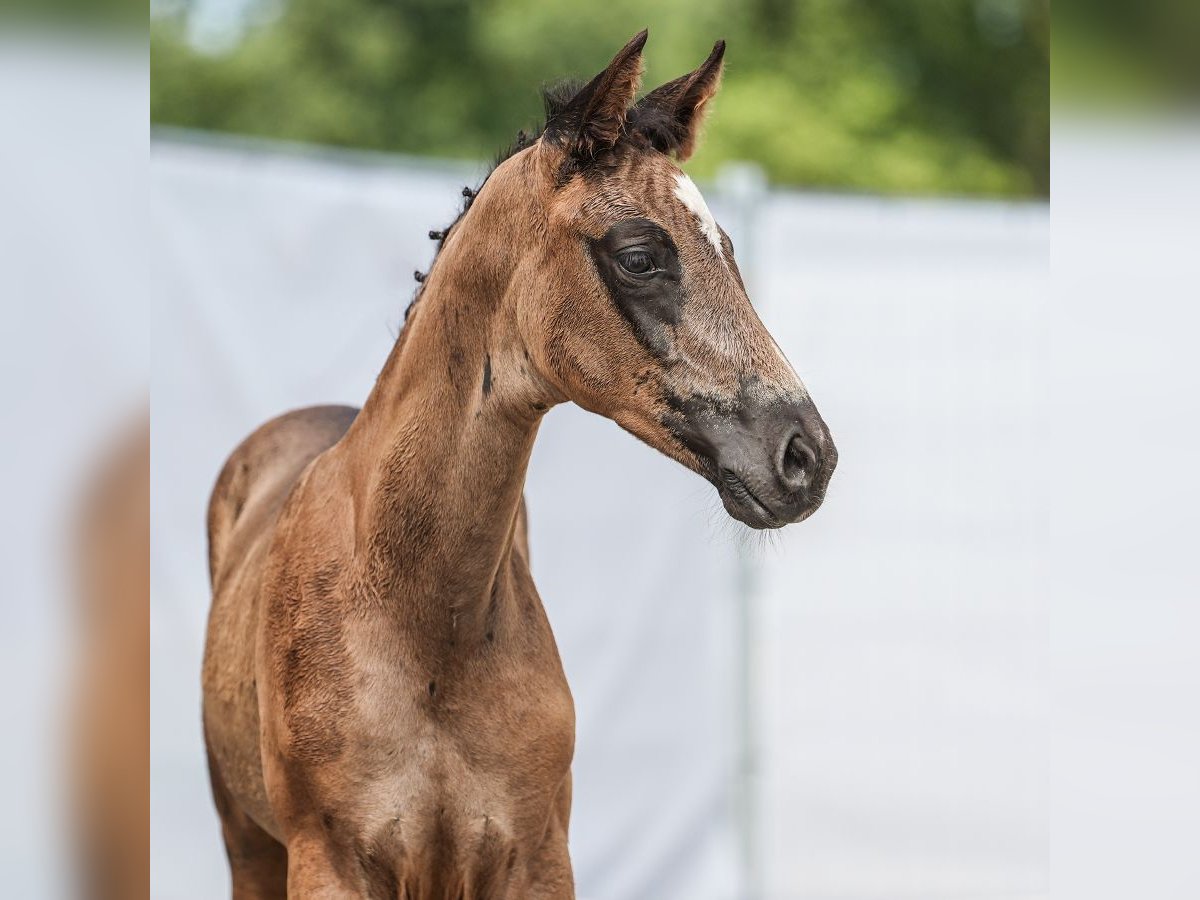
<point x="636" y="262"/>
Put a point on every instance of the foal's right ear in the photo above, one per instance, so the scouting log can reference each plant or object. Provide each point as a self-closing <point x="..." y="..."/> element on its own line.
<point x="594" y="118"/>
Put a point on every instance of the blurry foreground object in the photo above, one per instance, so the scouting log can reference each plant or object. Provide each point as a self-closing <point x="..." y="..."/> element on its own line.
<point x="1122" y="549"/>
<point x="77" y="16"/>
<point x="1126" y="56"/>
<point x="111" y="704"/>
<point x="1127" y="726"/>
<point x="74" y="364"/>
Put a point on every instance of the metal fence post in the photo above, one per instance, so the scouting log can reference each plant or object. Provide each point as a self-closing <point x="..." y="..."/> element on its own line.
<point x="741" y="187"/>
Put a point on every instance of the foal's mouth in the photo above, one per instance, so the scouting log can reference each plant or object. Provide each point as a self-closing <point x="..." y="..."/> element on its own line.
<point x="741" y="502"/>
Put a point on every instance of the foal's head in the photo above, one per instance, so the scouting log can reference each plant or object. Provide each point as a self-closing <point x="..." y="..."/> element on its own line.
<point x="630" y="303"/>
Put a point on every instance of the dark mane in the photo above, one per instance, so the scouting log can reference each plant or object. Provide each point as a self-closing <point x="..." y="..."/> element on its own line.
<point x="555" y="98"/>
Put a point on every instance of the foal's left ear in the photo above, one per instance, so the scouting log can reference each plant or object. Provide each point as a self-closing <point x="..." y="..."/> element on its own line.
<point x="594" y="118"/>
<point x="670" y="116"/>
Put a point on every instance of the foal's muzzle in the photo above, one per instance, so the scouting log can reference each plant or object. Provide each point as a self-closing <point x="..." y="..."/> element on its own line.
<point x="771" y="465"/>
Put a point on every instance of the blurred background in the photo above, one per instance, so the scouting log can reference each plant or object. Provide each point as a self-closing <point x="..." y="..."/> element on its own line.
<point x="888" y="97"/>
<point x="971" y="674"/>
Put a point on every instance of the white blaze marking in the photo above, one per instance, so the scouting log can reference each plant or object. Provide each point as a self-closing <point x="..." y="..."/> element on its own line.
<point x="689" y="195"/>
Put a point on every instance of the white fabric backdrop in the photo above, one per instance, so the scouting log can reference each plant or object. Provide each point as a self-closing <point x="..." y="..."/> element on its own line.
<point x="897" y="670"/>
<point x="902" y="674"/>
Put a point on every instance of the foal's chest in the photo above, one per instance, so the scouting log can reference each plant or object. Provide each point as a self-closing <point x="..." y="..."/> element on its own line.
<point x="423" y="745"/>
<point x="460" y="789"/>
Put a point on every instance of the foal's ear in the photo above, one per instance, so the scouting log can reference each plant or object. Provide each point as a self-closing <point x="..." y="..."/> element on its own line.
<point x="594" y="118"/>
<point x="670" y="116"/>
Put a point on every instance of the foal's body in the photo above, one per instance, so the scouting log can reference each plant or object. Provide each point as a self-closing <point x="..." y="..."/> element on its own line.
<point x="396" y="638"/>
<point x="385" y="709"/>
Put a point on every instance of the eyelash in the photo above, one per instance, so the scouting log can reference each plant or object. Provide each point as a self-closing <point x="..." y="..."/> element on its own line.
<point x="639" y="255"/>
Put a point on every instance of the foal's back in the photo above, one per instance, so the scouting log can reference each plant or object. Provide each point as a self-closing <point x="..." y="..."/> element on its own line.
<point x="244" y="507"/>
<point x="259" y="474"/>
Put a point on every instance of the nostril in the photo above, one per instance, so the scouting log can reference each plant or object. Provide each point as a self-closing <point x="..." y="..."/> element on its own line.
<point x="799" y="463"/>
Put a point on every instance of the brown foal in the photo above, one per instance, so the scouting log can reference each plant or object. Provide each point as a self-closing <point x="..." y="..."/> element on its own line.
<point x="384" y="706"/>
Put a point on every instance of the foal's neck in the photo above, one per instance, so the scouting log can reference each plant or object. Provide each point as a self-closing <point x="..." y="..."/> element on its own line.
<point x="437" y="457"/>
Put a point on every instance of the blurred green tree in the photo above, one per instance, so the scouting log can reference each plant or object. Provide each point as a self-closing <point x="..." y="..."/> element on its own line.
<point x="936" y="97"/>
